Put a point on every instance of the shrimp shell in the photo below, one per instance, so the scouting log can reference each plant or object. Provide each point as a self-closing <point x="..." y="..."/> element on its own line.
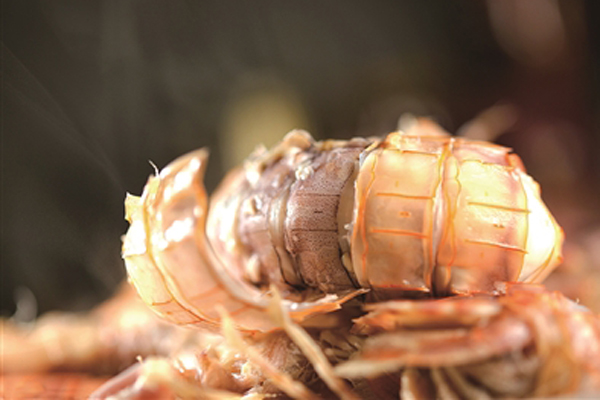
<point x="418" y="213"/>
<point x="173" y="267"/>
<point x="527" y="342"/>
<point x="456" y="215"/>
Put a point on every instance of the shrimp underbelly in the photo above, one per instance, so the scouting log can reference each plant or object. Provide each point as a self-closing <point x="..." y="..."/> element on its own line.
<point x="287" y="228"/>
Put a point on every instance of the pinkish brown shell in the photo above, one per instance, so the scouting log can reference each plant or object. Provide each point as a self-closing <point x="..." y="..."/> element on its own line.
<point x="528" y="342"/>
<point x="418" y="212"/>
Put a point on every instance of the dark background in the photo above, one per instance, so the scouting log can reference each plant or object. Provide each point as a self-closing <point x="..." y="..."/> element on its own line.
<point x="93" y="90"/>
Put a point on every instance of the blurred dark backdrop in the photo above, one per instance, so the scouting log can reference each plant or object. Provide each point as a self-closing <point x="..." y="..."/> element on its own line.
<point x="92" y="90"/>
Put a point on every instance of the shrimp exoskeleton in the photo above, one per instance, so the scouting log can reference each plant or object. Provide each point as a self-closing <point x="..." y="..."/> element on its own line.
<point x="527" y="342"/>
<point x="415" y="213"/>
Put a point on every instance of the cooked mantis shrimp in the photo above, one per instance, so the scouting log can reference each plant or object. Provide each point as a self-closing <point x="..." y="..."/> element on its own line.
<point x="415" y="214"/>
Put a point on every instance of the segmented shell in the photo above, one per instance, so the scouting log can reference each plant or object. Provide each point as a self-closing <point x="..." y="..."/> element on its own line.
<point x="448" y="215"/>
<point x="323" y="222"/>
